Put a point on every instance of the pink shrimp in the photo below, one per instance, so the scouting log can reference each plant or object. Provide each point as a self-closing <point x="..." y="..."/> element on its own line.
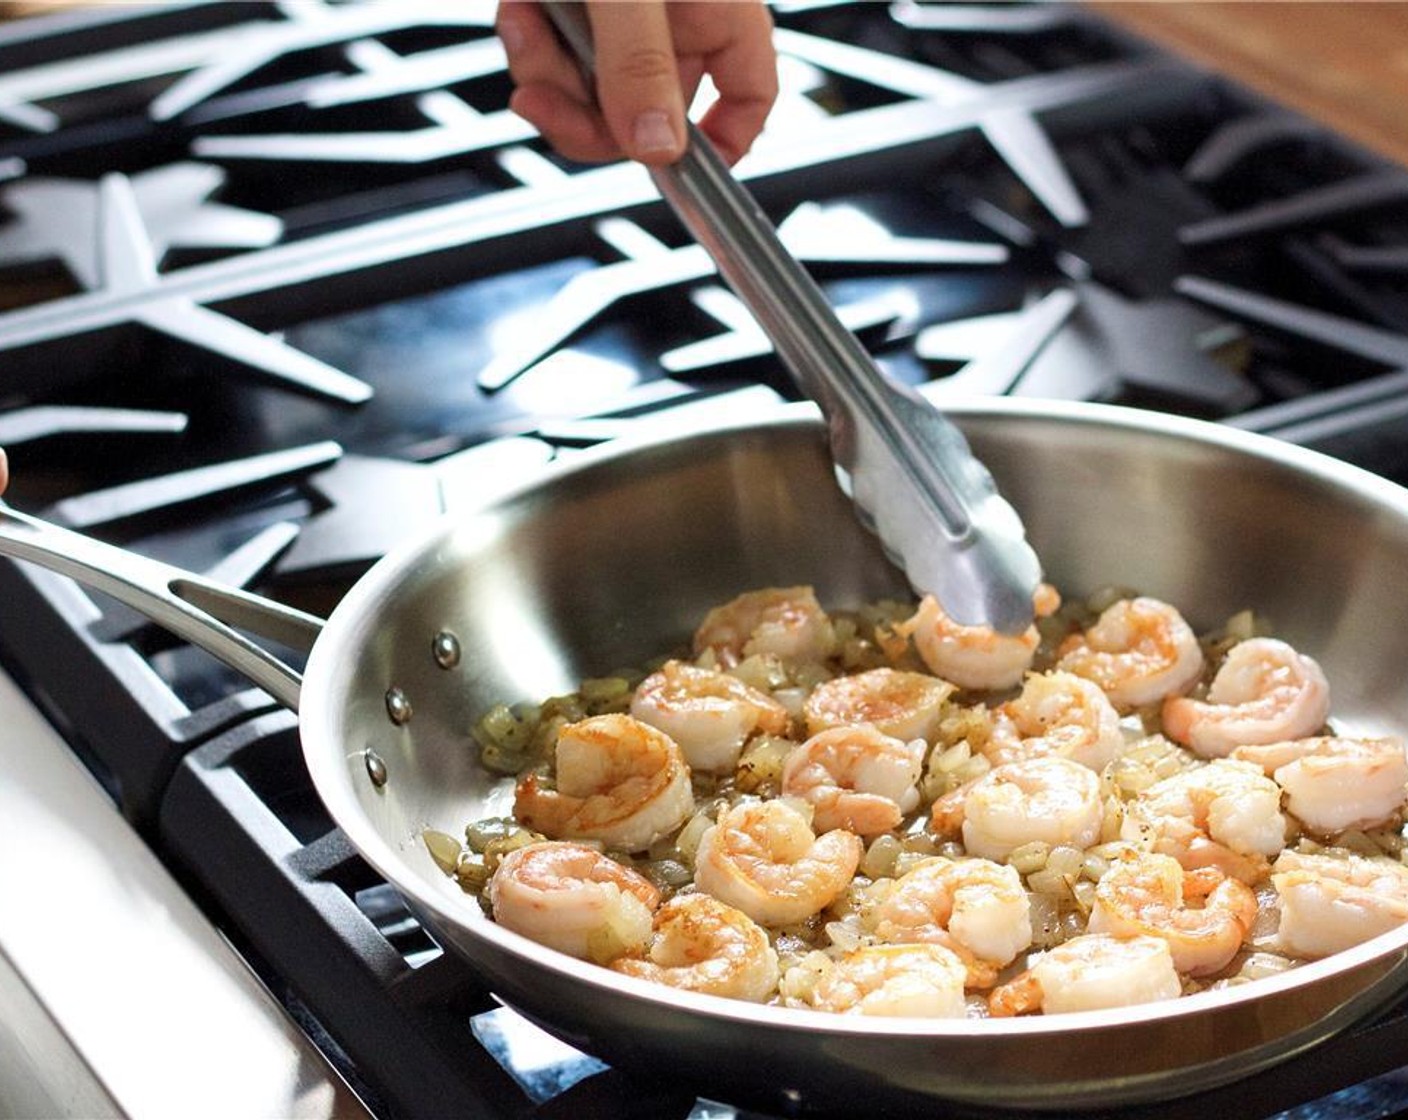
<point x="1263" y="692"/>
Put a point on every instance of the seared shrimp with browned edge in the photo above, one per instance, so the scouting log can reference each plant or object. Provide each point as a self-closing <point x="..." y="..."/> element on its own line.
<point x="764" y="859"/>
<point x="975" y="657"/>
<point x="701" y="945"/>
<point x="1226" y="814"/>
<point x="1057" y="715"/>
<point x="710" y="714"/>
<point x="856" y="778"/>
<point x="619" y="781"/>
<point x="785" y="622"/>
<point x="1091" y="972"/>
<point x="901" y="704"/>
<point x="1264" y="691"/>
<point x="1138" y="651"/>
<point x="574" y="899"/>
<point x="1334" y="783"/>
<point x="1048" y="800"/>
<point x="917" y="981"/>
<point x="1204" y="915"/>
<point x="1329" y="903"/>
<point x="974" y="907"/>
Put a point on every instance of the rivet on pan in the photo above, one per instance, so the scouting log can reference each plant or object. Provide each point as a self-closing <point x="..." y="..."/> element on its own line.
<point x="376" y="768"/>
<point x="397" y="706"/>
<point x="446" y="648"/>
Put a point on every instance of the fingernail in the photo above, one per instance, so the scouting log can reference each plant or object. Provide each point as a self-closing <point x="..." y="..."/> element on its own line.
<point x="652" y="132"/>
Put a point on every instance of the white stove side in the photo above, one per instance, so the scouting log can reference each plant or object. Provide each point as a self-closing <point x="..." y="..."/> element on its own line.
<point x="118" y="997"/>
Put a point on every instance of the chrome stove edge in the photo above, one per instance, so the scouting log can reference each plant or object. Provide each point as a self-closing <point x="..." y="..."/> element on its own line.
<point x="186" y="1028"/>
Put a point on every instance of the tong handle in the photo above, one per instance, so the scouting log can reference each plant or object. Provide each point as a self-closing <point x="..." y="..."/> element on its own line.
<point x="826" y="360"/>
<point x="907" y="467"/>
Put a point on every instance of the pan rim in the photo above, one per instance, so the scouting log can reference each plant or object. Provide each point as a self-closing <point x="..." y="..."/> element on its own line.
<point x="333" y="780"/>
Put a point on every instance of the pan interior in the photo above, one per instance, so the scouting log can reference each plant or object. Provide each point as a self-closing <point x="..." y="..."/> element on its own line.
<point x="615" y="560"/>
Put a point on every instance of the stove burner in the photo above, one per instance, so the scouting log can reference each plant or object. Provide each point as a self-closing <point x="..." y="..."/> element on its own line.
<point x="457" y="129"/>
<point x="1354" y="196"/>
<point x="305" y="25"/>
<point x="1086" y="342"/>
<point x="816" y="235"/>
<point x="1013" y="19"/>
<point x="89" y="48"/>
<point x="1005" y="116"/>
<point x="1244" y="139"/>
<point x="161" y="208"/>
<point x="138" y="499"/>
<point x="998" y="348"/>
<point x="26" y="425"/>
<point x="1332" y="331"/>
<point x="372" y="505"/>
<point x="113" y="234"/>
<point x="273" y="284"/>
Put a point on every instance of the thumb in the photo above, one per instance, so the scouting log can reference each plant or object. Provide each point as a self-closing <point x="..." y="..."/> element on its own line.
<point x="637" y="80"/>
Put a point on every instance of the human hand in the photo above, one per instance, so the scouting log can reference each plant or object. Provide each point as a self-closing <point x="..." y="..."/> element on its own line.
<point x="650" y="57"/>
<point x="4" y="471"/>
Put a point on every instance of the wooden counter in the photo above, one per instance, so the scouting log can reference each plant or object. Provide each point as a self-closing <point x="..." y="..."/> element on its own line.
<point x="1344" y="63"/>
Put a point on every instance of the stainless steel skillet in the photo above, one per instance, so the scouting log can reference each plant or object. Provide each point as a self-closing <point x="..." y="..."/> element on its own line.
<point x="616" y="556"/>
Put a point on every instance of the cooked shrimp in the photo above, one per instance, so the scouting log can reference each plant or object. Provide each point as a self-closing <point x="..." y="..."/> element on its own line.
<point x="573" y="899"/>
<point x="920" y="981"/>
<point x="1329" y="903"/>
<point x="977" y="908"/>
<point x="857" y="778"/>
<point x="1059" y="715"/>
<point x="1139" y="651"/>
<point x="1333" y="783"/>
<point x="1226" y="814"/>
<point x="701" y="945"/>
<point x="765" y="859"/>
<point x="618" y="780"/>
<point x="708" y="713"/>
<point x="1149" y="893"/>
<point x="1264" y="692"/>
<point x="976" y="657"/>
<point x="1053" y="800"/>
<point x="1089" y="973"/>
<point x="902" y="704"/>
<point x="786" y="622"/>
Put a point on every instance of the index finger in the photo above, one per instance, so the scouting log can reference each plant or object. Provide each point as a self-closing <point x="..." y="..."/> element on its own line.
<point x="638" y="81"/>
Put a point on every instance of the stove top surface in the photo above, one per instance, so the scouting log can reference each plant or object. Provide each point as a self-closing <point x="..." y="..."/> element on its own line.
<point x="280" y="285"/>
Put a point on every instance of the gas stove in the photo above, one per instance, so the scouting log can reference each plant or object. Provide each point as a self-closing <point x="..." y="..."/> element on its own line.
<point x="282" y="284"/>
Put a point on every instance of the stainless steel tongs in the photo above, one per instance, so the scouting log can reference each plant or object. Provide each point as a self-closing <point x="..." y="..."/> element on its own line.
<point x="907" y="468"/>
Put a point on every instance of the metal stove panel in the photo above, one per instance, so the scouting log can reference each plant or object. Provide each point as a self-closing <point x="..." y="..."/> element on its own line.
<point x="131" y="1052"/>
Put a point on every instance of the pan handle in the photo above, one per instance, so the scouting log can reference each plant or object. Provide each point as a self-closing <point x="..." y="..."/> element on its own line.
<point x="199" y="610"/>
